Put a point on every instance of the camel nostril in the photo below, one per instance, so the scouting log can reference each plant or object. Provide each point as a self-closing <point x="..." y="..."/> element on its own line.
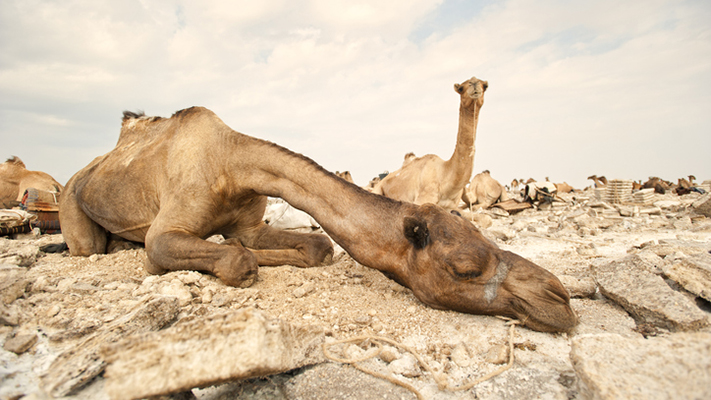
<point x="556" y="296"/>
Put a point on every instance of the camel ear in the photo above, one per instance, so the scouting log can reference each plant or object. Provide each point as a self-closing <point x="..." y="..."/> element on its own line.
<point x="485" y="84"/>
<point x="416" y="232"/>
<point x="458" y="88"/>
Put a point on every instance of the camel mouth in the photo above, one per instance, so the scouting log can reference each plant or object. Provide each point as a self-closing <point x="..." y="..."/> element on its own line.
<point x="551" y="313"/>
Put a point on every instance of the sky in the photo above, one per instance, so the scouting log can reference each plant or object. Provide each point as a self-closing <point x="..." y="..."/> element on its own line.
<point x="576" y="88"/>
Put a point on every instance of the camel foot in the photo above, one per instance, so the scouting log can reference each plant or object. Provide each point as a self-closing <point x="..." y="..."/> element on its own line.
<point x="327" y="260"/>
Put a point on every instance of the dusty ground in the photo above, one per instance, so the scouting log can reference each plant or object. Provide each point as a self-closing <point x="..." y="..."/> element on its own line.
<point x="68" y="298"/>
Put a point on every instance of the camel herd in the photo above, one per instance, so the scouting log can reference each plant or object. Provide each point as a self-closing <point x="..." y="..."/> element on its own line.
<point x="190" y="176"/>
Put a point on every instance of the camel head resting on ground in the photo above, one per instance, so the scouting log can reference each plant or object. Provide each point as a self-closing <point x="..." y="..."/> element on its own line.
<point x="15" y="179"/>
<point x="429" y="179"/>
<point x="190" y="176"/>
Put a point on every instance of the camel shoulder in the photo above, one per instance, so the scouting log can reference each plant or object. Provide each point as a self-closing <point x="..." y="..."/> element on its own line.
<point x="138" y="127"/>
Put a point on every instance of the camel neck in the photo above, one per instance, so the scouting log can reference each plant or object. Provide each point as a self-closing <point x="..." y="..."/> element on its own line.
<point x="462" y="161"/>
<point x="369" y="227"/>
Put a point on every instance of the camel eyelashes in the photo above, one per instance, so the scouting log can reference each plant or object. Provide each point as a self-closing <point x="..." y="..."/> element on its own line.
<point x="416" y="232"/>
<point x="466" y="275"/>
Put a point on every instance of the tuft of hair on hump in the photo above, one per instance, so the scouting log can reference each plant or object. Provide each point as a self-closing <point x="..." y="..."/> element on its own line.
<point x="131" y="114"/>
<point x="15" y="160"/>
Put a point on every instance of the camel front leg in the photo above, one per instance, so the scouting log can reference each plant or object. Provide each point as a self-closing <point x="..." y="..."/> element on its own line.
<point x="83" y="236"/>
<point x="173" y="251"/>
<point x="273" y="247"/>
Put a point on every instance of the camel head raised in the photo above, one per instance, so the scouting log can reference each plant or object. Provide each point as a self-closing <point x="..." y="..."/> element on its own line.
<point x="451" y="265"/>
<point x="471" y="92"/>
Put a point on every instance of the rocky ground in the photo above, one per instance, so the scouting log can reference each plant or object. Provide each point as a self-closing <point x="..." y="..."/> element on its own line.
<point x="100" y="327"/>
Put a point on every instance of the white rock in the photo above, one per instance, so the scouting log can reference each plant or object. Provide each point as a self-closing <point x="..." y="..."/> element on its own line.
<point x="406" y="366"/>
<point x="460" y="355"/>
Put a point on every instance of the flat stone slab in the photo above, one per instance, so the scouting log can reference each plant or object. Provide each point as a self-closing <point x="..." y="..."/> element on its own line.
<point x="77" y="366"/>
<point x="703" y="205"/>
<point x="672" y="367"/>
<point x="202" y="352"/>
<point x="646" y="297"/>
<point x="693" y="273"/>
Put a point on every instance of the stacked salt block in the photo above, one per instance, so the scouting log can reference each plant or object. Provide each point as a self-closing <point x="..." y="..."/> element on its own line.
<point x="644" y="196"/>
<point x="618" y="191"/>
<point x="706" y="185"/>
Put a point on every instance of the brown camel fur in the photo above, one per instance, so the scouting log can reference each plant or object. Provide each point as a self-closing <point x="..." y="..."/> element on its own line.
<point x="15" y="178"/>
<point x="429" y="179"/>
<point x="188" y="177"/>
<point x="483" y="191"/>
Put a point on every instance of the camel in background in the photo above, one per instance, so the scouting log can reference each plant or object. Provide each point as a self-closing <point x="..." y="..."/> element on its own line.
<point x="484" y="191"/>
<point x="429" y="179"/>
<point x="345" y="175"/>
<point x="15" y="179"/>
<point x="659" y="185"/>
<point x="564" y="187"/>
<point x="188" y="177"/>
<point x="600" y="181"/>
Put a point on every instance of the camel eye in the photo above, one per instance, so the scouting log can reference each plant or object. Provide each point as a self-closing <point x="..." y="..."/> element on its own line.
<point x="467" y="274"/>
<point x="463" y="269"/>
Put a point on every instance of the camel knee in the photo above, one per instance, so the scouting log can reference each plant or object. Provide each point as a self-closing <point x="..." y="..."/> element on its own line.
<point x="237" y="268"/>
<point x="152" y="268"/>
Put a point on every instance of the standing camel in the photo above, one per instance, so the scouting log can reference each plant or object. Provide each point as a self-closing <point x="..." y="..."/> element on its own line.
<point x="429" y="179"/>
<point x="190" y="176"/>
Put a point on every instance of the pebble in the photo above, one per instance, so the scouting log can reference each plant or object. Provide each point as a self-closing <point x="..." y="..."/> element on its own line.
<point x="189" y="277"/>
<point x="460" y="356"/>
<point x="54" y="310"/>
<point x="389" y="354"/>
<point x="304" y="289"/>
<point x="206" y="297"/>
<point x="20" y="343"/>
<point x="65" y="284"/>
<point x="177" y="289"/>
<point x="221" y="300"/>
<point x="406" y="366"/>
<point x="498" y="354"/>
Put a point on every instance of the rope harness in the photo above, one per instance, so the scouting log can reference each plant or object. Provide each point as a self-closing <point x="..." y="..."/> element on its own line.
<point x="440" y="378"/>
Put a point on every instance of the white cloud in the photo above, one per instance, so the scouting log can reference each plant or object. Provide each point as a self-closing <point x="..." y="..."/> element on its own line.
<point x="581" y="88"/>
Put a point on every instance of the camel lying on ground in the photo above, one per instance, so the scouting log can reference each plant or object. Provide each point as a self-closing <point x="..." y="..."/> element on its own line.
<point x="659" y="185"/>
<point x="600" y="181"/>
<point x="15" y="178"/>
<point x="484" y="191"/>
<point x="429" y="179"/>
<point x="563" y="187"/>
<point x="190" y="176"/>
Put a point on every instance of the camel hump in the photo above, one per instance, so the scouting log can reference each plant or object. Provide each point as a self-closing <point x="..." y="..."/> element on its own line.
<point x="138" y="127"/>
<point x="15" y="160"/>
<point x="132" y="115"/>
<point x="187" y="112"/>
